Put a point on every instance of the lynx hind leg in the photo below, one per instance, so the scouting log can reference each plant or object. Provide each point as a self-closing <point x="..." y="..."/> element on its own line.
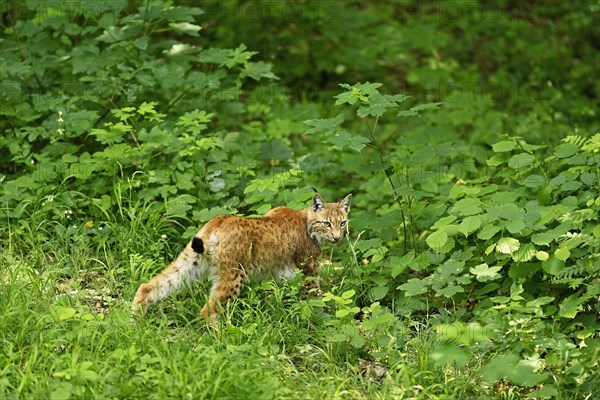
<point x="190" y="265"/>
<point x="225" y="288"/>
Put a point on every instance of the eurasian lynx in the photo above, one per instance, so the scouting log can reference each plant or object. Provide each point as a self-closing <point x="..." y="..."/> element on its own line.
<point x="234" y="250"/>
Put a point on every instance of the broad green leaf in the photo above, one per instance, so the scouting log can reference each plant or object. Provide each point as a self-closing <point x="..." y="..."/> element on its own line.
<point x="507" y="245"/>
<point x="459" y="190"/>
<point x="541" y="255"/>
<point x="484" y="273"/>
<point x="515" y="291"/>
<point x="506" y="211"/>
<point x="324" y="125"/>
<point x="562" y="253"/>
<point x="237" y="56"/>
<point x="553" y="265"/>
<point x="437" y="240"/>
<point x="449" y="291"/>
<point x="509" y="367"/>
<point x="343" y="140"/>
<point x="468" y="206"/>
<point x="520" y="160"/>
<point x="448" y="353"/>
<point x="497" y="159"/>
<point x="61" y="313"/>
<point x="540" y="301"/>
<point x="506" y="145"/>
<point x="521" y="270"/>
<point x="378" y="292"/>
<point x="413" y="287"/>
<point x="515" y="226"/>
<point x="488" y="231"/>
<point x="566" y="150"/>
<point x="547" y="392"/>
<point x="525" y="253"/>
<point x="258" y="70"/>
<point x="426" y="106"/>
<point x="469" y="225"/>
<point x="570" y="306"/>
<point x="186" y="27"/>
<point x="357" y="92"/>
<point x="534" y="181"/>
<point x="543" y="238"/>
<point x="444" y="221"/>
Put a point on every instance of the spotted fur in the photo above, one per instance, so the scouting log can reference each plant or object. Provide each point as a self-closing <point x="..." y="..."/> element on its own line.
<point x="234" y="250"/>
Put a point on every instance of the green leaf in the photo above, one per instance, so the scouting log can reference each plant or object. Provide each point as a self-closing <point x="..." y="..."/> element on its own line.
<point x="570" y="306"/>
<point x="534" y="181"/>
<point x="413" y="287"/>
<point x="426" y="106"/>
<point x="525" y="253"/>
<point x="515" y="226"/>
<point x="507" y="245"/>
<point x="468" y="206"/>
<point x="506" y="211"/>
<point x="258" y="70"/>
<point x="147" y="108"/>
<point x="448" y="353"/>
<point x="469" y="225"/>
<point x="566" y="150"/>
<point x="450" y="291"/>
<point x="540" y="301"/>
<point x="488" y="231"/>
<point x="324" y="125"/>
<point x="547" y="392"/>
<point x="509" y="367"/>
<point x="437" y="240"/>
<point x="543" y="238"/>
<point x="378" y="292"/>
<point x="484" y="273"/>
<point x="562" y="253"/>
<point x="238" y="56"/>
<point x="520" y="160"/>
<point x="343" y="140"/>
<point x="61" y="313"/>
<point x="504" y="146"/>
<point x="186" y="27"/>
<point x="553" y="265"/>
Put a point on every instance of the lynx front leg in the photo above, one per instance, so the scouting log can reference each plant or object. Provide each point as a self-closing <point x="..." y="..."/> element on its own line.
<point x="182" y="271"/>
<point x="310" y="286"/>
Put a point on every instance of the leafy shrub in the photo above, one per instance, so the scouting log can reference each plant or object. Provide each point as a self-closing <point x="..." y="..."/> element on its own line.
<point x="127" y="125"/>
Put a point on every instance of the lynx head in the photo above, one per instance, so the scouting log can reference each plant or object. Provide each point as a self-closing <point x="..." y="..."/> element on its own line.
<point x="328" y="221"/>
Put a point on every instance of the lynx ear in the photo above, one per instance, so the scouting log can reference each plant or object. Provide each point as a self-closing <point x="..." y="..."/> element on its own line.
<point x="346" y="203"/>
<point x="318" y="203"/>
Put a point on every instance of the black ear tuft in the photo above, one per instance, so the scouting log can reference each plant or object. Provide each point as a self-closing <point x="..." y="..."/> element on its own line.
<point x="345" y="203"/>
<point x="318" y="203"/>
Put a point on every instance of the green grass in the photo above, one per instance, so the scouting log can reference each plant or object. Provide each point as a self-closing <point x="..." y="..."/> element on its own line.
<point x="66" y="333"/>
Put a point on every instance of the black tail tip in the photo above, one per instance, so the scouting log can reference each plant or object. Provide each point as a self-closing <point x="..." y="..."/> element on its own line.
<point x="198" y="245"/>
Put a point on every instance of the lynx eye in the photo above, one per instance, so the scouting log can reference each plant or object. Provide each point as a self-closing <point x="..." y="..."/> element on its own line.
<point x="343" y="223"/>
<point x="327" y="224"/>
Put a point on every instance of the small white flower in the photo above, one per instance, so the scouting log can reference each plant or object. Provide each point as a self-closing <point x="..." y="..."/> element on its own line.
<point x="100" y="228"/>
<point x="163" y="236"/>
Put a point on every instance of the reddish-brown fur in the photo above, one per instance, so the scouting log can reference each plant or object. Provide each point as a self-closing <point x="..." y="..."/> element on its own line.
<point x="236" y="249"/>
